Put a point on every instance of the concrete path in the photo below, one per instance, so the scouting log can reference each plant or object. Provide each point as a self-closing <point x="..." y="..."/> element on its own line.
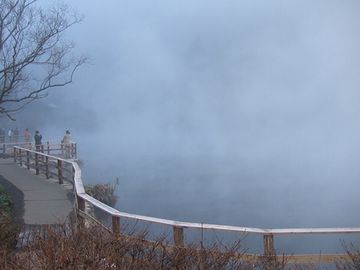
<point x="45" y="201"/>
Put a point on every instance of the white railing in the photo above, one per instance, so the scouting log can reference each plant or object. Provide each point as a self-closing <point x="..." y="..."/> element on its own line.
<point x="64" y="169"/>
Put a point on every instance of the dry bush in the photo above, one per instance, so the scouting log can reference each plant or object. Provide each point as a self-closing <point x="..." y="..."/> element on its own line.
<point x="71" y="247"/>
<point x="8" y="234"/>
<point x="8" y="229"/>
<point x="354" y="255"/>
<point x="96" y="248"/>
<point x="105" y="193"/>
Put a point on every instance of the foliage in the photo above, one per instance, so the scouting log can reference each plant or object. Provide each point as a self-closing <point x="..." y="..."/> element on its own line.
<point x="8" y="230"/>
<point x="354" y="254"/>
<point x="105" y="193"/>
<point x="5" y="203"/>
<point x="72" y="247"/>
<point x="95" y="248"/>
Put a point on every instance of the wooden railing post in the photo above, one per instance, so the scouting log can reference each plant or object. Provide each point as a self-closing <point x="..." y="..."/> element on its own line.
<point x="75" y="150"/>
<point x="28" y="159"/>
<point x="4" y="148"/>
<point x="81" y="204"/>
<point x="269" y="249"/>
<point x="47" y="167"/>
<point x="72" y="150"/>
<point x="80" y="207"/>
<point x="269" y="252"/>
<point x="116" y="225"/>
<point x="48" y="148"/>
<point x="37" y="163"/>
<point x="178" y="236"/>
<point x="73" y="177"/>
<point x="20" y="157"/>
<point x="15" y="155"/>
<point x="60" y="173"/>
<point x="42" y="151"/>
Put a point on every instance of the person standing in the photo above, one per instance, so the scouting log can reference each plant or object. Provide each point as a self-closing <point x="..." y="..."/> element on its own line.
<point x="38" y="138"/>
<point x="66" y="141"/>
<point x="16" y="135"/>
<point x="10" y="134"/>
<point x="27" y="136"/>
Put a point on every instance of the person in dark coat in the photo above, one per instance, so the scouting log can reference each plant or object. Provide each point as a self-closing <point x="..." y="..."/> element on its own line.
<point x="16" y="134"/>
<point x="38" y="138"/>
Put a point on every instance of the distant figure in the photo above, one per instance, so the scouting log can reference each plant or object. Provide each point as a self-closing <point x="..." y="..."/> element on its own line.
<point x="27" y="136"/>
<point x="38" y="138"/>
<point x="16" y="135"/>
<point x="10" y="134"/>
<point x="66" y="141"/>
<point x="2" y="135"/>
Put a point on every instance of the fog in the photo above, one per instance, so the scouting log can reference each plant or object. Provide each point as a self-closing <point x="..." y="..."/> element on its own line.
<point x="234" y="112"/>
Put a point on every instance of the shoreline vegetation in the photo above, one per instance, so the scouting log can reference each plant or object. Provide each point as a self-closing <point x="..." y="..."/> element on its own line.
<point x="105" y="193"/>
<point x="71" y="246"/>
<point x="74" y="246"/>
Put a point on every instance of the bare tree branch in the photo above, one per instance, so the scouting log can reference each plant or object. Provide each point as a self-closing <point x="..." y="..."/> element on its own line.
<point x="34" y="57"/>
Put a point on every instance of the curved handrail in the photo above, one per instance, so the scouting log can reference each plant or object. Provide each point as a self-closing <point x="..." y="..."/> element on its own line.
<point x="178" y="226"/>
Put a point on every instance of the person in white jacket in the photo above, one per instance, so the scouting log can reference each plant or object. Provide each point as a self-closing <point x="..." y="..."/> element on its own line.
<point x="66" y="142"/>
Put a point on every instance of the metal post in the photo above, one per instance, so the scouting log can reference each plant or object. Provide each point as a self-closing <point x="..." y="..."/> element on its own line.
<point x="116" y="225"/>
<point x="4" y="148"/>
<point x="178" y="236"/>
<point x="48" y="148"/>
<point x="60" y="176"/>
<point x="14" y="154"/>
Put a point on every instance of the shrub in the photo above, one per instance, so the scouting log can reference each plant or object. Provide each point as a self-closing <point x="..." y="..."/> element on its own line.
<point x="103" y="192"/>
<point x="5" y="204"/>
<point x="8" y="230"/>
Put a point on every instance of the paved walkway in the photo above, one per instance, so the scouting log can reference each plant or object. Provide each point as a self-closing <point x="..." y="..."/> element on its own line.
<point x="45" y="201"/>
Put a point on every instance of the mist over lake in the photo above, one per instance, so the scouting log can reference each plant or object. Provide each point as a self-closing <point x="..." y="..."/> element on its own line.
<point x="240" y="113"/>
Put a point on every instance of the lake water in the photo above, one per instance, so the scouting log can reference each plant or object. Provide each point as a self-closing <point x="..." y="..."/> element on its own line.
<point x="282" y="191"/>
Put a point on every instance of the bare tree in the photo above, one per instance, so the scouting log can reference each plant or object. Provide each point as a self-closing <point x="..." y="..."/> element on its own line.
<point x="34" y="56"/>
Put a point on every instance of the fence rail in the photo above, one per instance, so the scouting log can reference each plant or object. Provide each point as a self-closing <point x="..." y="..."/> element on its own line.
<point x="50" y="148"/>
<point x="69" y="170"/>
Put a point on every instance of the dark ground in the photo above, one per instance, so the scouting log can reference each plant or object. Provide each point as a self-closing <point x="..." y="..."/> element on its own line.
<point x="17" y="198"/>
